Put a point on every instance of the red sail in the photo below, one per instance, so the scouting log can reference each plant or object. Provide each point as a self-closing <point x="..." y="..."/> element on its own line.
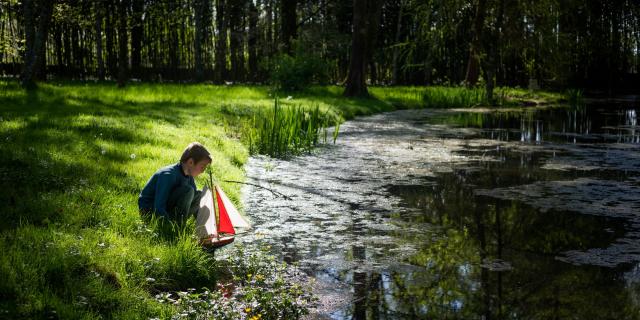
<point x="225" y="225"/>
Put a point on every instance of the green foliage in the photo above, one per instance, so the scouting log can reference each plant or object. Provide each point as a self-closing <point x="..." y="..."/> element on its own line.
<point x="286" y="131"/>
<point x="453" y="97"/>
<point x="262" y="288"/>
<point x="293" y="73"/>
<point x="575" y="97"/>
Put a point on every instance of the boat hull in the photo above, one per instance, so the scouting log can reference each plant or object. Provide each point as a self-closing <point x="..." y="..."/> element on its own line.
<point x="217" y="242"/>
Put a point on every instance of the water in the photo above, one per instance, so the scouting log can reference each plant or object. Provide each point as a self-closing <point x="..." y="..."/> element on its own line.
<point x="463" y="214"/>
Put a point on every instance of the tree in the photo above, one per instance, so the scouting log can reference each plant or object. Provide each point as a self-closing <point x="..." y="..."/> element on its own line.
<point x="99" y="11"/>
<point x="123" y="60"/>
<point x="201" y="15"/>
<point x="221" y="41"/>
<point x="288" y="25"/>
<point x="473" y="65"/>
<point x="252" y="44"/>
<point x="364" y="26"/>
<point x="137" y="34"/>
<point x="37" y="15"/>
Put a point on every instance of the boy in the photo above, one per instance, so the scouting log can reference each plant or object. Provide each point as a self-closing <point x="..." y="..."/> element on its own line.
<point x="171" y="192"/>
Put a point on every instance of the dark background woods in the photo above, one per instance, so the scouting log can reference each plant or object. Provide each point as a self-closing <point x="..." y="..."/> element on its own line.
<point x="549" y="43"/>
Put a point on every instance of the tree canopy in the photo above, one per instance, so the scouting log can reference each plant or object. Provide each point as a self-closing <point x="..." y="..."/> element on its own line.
<point x="550" y="43"/>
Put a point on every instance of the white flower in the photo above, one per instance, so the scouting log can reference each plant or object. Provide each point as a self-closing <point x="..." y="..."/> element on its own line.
<point x="151" y="279"/>
<point x="289" y="98"/>
<point x="133" y="156"/>
<point x="103" y="151"/>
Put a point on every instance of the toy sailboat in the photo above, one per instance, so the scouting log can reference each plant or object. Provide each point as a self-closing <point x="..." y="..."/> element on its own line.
<point x="217" y="230"/>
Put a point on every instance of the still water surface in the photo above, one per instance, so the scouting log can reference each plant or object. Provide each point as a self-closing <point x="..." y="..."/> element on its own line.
<point x="526" y="214"/>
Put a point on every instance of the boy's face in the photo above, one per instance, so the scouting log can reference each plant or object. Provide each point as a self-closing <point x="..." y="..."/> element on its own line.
<point x="195" y="169"/>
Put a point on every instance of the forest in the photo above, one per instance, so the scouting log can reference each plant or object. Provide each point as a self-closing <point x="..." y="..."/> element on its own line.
<point x="394" y="159"/>
<point x="550" y="44"/>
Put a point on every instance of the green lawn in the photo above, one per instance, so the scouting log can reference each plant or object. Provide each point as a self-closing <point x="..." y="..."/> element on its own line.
<point x="73" y="158"/>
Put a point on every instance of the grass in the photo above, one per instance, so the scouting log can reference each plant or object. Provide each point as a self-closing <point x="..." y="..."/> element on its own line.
<point x="286" y="131"/>
<point x="75" y="155"/>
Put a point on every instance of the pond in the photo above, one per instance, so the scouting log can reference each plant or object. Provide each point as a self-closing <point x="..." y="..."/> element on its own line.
<point x="519" y="213"/>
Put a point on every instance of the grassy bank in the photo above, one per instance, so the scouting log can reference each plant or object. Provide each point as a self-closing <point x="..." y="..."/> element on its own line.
<point x="73" y="158"/>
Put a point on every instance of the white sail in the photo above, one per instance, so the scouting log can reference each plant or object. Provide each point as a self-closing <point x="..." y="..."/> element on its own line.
<point x="206" y="218"/>
<point x="236" y="219"/>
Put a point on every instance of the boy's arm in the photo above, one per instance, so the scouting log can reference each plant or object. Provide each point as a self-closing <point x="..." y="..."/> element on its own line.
<point x="163" y="187"/>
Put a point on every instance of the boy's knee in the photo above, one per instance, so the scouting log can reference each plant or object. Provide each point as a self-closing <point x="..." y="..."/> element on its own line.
<point x="185" y="192"/>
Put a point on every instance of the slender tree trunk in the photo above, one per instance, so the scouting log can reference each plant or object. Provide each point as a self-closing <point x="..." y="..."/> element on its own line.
<point x="35" y="38"/>
<point x="269" y="23"/>
<point x="137" y="34"/>
<point x="236" y="27"/>
<point x="28" y="10"/>
<point x="199" y="38"/>
<point x="253" y="40"/>
<point x="288" y="23"/>
<point x="473" y="65"/>
<point x="396" y="50"/>
<point x="221" y="41"/>
<point x="2" y="32"/>
<point x="75" y="53"/>
<point x="123" y="57"/>
<point x="110" y="34"/>
<point x="492" y="46"/>
<point x="98" y="26"/>
<point x="174" y="42"/>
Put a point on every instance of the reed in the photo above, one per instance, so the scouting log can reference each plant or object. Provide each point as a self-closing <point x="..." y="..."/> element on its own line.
<point x="453" y="97"/>
<point x="575" y="97"/>
<point x="289" y="130"/>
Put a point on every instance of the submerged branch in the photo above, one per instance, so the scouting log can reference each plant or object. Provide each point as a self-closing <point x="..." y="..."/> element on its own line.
<point x="259" y="186"/>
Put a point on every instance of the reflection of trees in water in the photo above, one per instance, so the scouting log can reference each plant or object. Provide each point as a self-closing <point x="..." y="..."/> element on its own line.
<point x="579" y="124"/>
<point x="481" y="230"/>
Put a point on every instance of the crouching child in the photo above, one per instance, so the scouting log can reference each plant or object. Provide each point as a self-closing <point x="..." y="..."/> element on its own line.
<point x="171" y="192"/>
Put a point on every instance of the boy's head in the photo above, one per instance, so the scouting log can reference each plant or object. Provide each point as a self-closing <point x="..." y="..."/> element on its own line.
<point x="195" y="159"/>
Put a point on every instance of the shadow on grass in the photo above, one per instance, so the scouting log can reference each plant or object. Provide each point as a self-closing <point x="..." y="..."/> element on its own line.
<point x="52" y="148"/>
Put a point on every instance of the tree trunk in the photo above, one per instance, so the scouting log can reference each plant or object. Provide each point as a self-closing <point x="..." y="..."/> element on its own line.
<point x="473" y="65"/>
<point x="174" y="42"/>
<point x="396" y="50"/>
<point x="75" y="52"/>
<point x="112" y="63"/>
<point x="199" y="38"/>
<point x="57" y="36"/>
<point x="137" y="33"/>
<point x="123" y="59"/>
<point x="288" y="23"/>
<point x="28" y="9"/>
<point x="35" y="38"/>
<point x="236" y="27"/>
<point x="253" y="40"/>
<point x="269" y="23"/>
<point x="221" y="42"/>
<point x="365" y="14"/>
<point x="98" y="27"/>
<point x="491" y="48"/>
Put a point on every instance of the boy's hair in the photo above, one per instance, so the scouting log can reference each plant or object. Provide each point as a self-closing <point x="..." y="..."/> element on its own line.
<point x="195" y="151"/>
